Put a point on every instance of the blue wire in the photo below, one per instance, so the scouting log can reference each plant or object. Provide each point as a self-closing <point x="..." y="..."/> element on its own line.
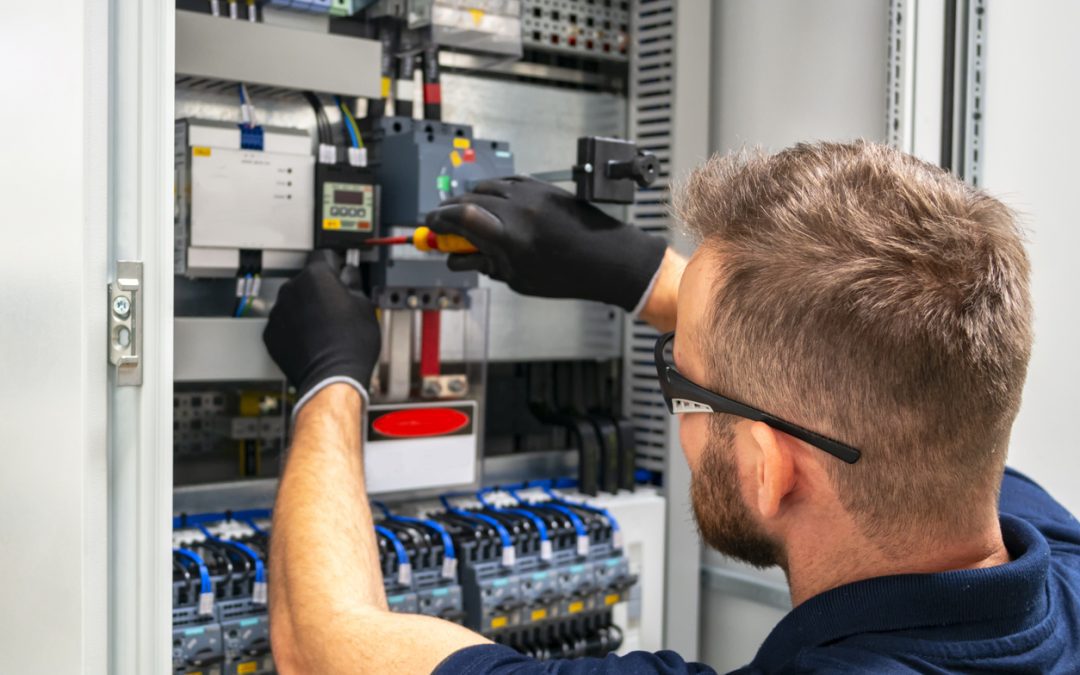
<point x="260" y="568"/>
<point x="345" y="122"/>
<point x="204" y="574"/>
<point x="240" y="90"/>
<point x="579" y="525"/>
<point x="541" y="528"/>
<point x="448" y="541"/>
<point x="504" y="535"/>
<point x="399" y="548"/>
<point x="588" y="507"/>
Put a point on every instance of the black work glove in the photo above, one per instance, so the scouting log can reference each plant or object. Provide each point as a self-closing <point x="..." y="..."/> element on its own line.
<point x="543" y="241"/>
<point x="323" y="329"/>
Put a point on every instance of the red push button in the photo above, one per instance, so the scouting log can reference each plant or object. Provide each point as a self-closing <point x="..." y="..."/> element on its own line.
<point x="469" y="155"/>
<point x="420" y="423"/>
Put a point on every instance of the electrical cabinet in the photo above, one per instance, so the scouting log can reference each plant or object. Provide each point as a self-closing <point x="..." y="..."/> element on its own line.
<point x="211" y="205"/>
<point x="506" y="462"/>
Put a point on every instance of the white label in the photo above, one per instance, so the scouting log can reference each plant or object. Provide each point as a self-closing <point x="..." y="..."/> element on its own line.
<point x="449" y="568"/>
<point x="206" y="603"/>
<point x="258" y="593"/>
<point x="358" y="156"/>
<point x="404" y="574"/>
<point x="545" y="550"/>
<point x="241" y="287"/>
<point x="583" y="544"/>
<point x="327" y="153"/>
<point x="616" y="539"/>
<point x="508" y="556"/>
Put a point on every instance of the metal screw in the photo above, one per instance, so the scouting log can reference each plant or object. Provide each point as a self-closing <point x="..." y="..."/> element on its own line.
<point x="413" y="302"/>
<point x="588" y="167"/>
<point x="444" y="302"/>
<point x="121" y="307"/>
<point x="456" y="386"/>
<point x="432" y="389"/>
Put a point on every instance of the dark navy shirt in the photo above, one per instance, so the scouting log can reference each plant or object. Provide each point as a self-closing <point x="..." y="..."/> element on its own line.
<point x="1021" y="617"/>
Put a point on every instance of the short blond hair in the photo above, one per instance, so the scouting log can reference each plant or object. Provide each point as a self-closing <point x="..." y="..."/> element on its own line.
<point x="878" y="300"/>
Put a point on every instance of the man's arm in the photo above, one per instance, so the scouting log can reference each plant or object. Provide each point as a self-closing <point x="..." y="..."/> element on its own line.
<point x="327" y="605"/>
<point x="660" y="307"/>
<point x="328" y="608"/>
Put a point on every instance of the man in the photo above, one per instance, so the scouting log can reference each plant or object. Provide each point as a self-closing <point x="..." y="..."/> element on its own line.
<point x="852" y="340"/>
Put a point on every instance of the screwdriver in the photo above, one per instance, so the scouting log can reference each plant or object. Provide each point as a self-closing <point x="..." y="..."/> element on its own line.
<point x="426" y="240"/>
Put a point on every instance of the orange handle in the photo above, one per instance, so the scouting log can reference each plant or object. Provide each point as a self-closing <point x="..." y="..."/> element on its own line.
<point x="426" y="240"/>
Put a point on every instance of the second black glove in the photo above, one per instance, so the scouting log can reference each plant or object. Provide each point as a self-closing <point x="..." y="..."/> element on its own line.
<point x="323" y="329"/>
<point x="543" y="241"/>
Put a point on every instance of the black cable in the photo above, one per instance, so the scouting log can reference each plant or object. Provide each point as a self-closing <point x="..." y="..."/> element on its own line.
<point x="322" y="122"/>
<point x="432" y="86"/>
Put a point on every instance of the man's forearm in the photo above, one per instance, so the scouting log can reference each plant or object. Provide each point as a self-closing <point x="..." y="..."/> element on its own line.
<point x="660" y="308"/>
<point x="325" y="562"/>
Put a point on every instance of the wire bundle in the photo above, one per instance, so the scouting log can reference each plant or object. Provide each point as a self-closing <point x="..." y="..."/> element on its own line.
<point x="449" y="570"/>
<point x="349" y="122"/>
<point x="509" y="555"/>
<point x="322" y="123"/>
<point x="258" y="589"/>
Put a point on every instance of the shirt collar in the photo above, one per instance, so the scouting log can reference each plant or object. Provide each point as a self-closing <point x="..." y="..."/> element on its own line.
<point x="910" y="601"/>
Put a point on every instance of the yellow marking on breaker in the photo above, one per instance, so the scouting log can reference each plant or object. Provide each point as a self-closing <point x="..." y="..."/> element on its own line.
<point x="249" y="403"/>
<point x="331" y="224"/>
<point x="539" y="614"/>
<point x="576" y="607"/>
<point x="386" y="83"/>
<point x="462" y="143"/>
<point x="611" y="599"/>
<point x="477" y="16"/>
<point x="499" y="622"/>
<point x="200" y="151"/>
<point x="245" y="668"/>
<point x="455" y="158"/>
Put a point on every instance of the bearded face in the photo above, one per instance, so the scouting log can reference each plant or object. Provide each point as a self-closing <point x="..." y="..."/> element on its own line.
<point x="723" y="518"/>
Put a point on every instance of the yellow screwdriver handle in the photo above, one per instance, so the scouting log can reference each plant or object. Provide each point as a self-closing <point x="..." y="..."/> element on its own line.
<point x="426" y="240"/>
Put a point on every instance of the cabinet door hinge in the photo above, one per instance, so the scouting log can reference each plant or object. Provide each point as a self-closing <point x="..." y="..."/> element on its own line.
<point x="125" y="323"/>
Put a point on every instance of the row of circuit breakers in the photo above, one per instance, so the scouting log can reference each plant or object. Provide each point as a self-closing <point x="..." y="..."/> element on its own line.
<point x="532" y="568"/>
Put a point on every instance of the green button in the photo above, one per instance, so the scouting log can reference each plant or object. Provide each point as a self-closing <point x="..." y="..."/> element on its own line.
<point x="443" y="183"/>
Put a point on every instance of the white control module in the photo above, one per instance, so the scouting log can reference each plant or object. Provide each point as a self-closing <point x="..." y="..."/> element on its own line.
<point x="230" y="198"/>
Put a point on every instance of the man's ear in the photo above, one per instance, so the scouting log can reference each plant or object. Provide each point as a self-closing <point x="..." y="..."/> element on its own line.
<point x="775" y="470"/>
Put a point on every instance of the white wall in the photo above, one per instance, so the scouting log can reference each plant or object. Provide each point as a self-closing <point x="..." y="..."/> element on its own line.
<point x="787" y="71"/>
<point x="798" y="70"/>
<point x="53" y="65"/>
<point x="1032" y="139"/>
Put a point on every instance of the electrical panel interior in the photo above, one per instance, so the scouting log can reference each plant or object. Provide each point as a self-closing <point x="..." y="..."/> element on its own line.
<point x="504" y="514"/>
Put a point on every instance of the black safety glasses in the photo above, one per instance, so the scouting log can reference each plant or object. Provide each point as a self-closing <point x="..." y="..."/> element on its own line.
<point x="683" y="396"/>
